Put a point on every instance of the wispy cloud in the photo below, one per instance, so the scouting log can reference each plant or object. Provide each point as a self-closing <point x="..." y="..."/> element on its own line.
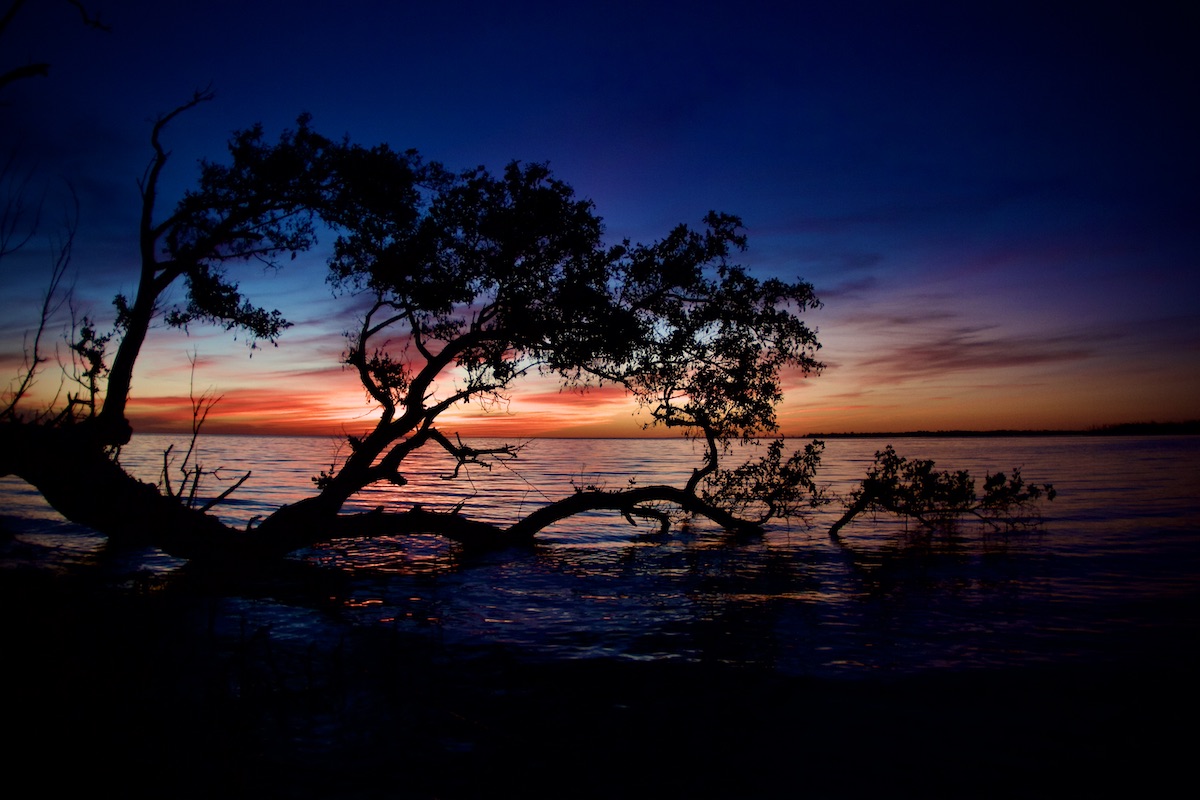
<point x="972" y="349"/>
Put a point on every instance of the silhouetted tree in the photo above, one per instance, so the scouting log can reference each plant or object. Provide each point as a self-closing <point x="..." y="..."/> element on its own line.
<point x="493" y="276"/>
<point x="939" y="499"/>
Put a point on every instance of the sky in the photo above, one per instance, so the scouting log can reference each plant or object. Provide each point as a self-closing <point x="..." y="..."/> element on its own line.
<point x="996" y="202"/>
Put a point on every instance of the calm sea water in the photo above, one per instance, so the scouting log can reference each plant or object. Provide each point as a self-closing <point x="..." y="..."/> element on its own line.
<point x="1115" y="573"/>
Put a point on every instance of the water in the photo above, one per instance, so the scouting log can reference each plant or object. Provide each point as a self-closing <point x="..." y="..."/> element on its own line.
<point x="1113" y="576"/>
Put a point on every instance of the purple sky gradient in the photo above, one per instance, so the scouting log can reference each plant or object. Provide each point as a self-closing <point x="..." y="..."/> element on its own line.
<point x="996" y="202"/>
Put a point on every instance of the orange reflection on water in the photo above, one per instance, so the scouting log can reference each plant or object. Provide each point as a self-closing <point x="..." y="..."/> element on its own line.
<point x="353" y="602"/>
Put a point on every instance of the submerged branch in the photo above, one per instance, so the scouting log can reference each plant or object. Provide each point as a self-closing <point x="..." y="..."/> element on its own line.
<point x="465" y="454"/>
<point x="629" y="502"/>
<point x="221" y="497"/>
<point x="938" y="498"/>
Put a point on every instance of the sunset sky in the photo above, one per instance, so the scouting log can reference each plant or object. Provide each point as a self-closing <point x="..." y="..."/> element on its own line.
<point x="997" y="203"/>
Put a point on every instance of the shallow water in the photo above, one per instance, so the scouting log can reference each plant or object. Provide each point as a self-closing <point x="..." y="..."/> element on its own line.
<point x="1113" y="576"/>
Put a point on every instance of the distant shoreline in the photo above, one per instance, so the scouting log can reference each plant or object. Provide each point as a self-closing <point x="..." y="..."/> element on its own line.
<point x="1127" y="429"/>
<point x="1191" y="428"/>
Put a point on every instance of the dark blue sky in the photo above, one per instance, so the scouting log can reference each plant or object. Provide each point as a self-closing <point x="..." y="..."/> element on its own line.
<point x="996" y="201"/>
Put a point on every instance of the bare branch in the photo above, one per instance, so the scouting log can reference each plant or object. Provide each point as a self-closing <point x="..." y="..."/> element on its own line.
<point x="19" y="219"/>
<point x="89" y="20"/>
<point x="13" y="7"/>
<point x="38" y="69"/>
<point x="221" y="497"/>
<point x="190" y="468"/>
<point x="465" y="454"/>
<point x="52" y="302"/>
<point x="148" y="183"/>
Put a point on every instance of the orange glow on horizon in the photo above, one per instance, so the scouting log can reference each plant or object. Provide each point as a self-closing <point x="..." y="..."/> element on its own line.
<point x="290" y="407"/>
<point x="303" y="390"/>
<point x="604" y="412"/>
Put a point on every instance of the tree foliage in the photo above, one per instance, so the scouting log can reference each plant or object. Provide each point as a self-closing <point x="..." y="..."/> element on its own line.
<point x="939" y="498"/>
<point x="499" y="276"/>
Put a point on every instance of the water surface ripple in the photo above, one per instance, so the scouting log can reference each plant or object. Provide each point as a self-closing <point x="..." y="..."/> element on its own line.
<point x="1112" y="576"/>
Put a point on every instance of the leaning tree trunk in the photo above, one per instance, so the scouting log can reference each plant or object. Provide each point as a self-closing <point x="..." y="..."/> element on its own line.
<point x="75" y="476"/>
<point x="71" y="469"/>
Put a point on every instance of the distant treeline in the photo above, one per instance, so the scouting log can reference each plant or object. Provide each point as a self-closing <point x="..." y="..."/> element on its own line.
<point x="1190" y="428"/>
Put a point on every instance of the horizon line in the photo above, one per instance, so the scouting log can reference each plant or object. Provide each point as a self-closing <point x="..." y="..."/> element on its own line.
<point x="1188" y="427"/>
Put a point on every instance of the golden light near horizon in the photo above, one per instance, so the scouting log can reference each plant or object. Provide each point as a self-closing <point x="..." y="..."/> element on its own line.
<point x="264" y="395"/>
<point x="299" y="389"/>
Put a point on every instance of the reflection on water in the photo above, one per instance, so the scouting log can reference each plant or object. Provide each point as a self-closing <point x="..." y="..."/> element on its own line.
<point x="1116" y="568"/>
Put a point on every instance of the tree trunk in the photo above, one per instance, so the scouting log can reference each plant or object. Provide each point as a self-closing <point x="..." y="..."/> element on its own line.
<point x="113" y="428"/>
<point x="71" y="470"/>
<point x="69" y="467"/>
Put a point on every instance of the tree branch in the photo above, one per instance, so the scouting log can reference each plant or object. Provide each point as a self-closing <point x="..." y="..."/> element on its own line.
<point x="627" y="501"/>
<point x="88" y="19"/>
<point x="936" y="498"/>
<point x="52" y="302"/>
<point x="464" y="454"/>
<point x="38" y="70"/>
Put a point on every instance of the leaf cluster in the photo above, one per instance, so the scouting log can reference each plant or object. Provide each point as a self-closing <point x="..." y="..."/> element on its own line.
<point x="476" y="279"/>
<point x="938" y="498"/>
<point x="509" y="273"/>
<point x="772" y="487"/>
<point x="263" y="205"/>
<point x="710" y="343"/>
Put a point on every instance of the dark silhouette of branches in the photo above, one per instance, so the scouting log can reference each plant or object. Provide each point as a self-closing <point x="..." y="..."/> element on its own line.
<point x="939" y="499"/>
<point x="89" y="19"/>
<point x="55" y="297"/>
<point x="499" y="276"/>
<point x="20" y="216"/>
<point x="190" y="469"/>
<point x="260" y="207"/>
<point x="39" y="69"/>
<point x="472" y="282"/>
<point x="20" y="222"/>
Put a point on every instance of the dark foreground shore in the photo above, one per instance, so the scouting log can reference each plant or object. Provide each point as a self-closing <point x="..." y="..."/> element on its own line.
<point x="133" y="692"/>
